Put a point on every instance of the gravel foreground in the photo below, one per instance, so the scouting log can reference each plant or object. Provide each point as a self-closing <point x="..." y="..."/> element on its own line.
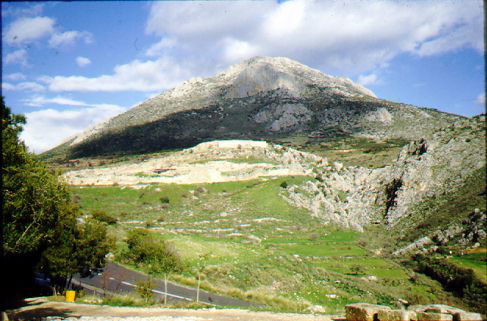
<point x="42" y="309"/>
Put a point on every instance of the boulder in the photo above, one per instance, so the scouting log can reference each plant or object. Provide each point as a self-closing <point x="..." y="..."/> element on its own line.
<point x="363" y="311"/>
<point x="396" y="315"/>
<point x="436" y="308"/>
<point x="316" y="309"/>
<point x="441" y="308"/>
<point x="427" y="316"/>
<point x="467" y="316"/>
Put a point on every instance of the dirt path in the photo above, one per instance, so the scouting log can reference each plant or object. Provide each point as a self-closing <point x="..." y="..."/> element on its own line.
<point x="41" y="308"/>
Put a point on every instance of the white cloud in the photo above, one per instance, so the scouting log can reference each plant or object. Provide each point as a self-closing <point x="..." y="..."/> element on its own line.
<point x="23" y="86"/>
<point x="345" y="36"/>
<point x="66" y="38"/>
<point x="38" y="101"/>
<point x="7" y="86"/>
<point x="480" y="99"/>
<point x="30" y="86"/>
<point x="82" y="61"/>
<point x="15" y="76"/>
<point x="18" y="56"/>
<point x="48" y="128"/>
<point x="25" y="30"/>
<point x="369" y="79"/>
<point x="159" y="47"/>
<point x="12" y="10"/>
<point x="236" y="50"/>
<point x="339" y="37"/>
<point x="33" y="11"/>
<point x="151" y="75"/>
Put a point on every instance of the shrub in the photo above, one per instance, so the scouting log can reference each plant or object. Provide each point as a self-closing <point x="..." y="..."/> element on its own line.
<point x="126" y="301"/>
<point x="459" y="280"/>
<point x="342" y="196"/>
<point x="283" y="184"/>
<point x="144" y="289"/>
<point x="149" y="250"/>
<point x="164" y="200"/>
<point x="357" y="269"/>
<point x="102" y="216"/>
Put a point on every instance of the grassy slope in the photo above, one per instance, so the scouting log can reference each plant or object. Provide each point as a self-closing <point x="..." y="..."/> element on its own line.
<point x="351" y="151"/>
<point x="217" y="230"/>
<point x="440" y="211"/>
<point x="475" y="261"/>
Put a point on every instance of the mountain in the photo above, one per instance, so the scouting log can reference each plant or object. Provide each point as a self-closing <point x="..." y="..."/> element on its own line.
<point x="263" y="98"/>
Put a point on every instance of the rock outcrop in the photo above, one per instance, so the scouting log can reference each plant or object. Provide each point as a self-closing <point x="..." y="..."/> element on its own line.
<point x="355" y="197"/>
<point x="429" y="312"/>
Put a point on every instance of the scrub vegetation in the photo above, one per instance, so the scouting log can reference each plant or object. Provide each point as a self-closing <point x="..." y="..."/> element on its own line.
<point x="243" y="239"/>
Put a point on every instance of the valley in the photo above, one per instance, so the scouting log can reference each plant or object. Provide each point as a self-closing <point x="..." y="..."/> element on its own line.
<point x="301" y="192"/>
<point x="245" y="238"/>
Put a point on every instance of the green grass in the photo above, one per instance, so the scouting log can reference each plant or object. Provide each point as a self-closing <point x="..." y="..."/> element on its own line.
<point x="352" y="151"/>
<point x="477" y="262"/>
<point x="246" y="241"/>
<point x="438" y="211"/>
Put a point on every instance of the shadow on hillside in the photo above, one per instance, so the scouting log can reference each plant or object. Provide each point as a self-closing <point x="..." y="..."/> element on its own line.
<point x="177" y="131"/>
<point x="233" y="119"/>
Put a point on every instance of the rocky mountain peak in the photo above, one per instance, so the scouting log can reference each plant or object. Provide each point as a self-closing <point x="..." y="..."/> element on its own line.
<point x="259" y="74"/>
<point x="262" y="98"/>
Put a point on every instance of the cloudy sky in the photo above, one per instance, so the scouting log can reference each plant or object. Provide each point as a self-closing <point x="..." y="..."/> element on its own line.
<point x="70" y="65"/>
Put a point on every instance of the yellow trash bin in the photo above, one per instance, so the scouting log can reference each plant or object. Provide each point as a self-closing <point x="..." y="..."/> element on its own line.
<point x="70" y="296"/>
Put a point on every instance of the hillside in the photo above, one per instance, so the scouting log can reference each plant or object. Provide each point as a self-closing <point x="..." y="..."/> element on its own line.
<point x="263" y="98"/>
<point x="424" y="170"/>
<point x="281" y="185"/>
<point x="320" y="233"/>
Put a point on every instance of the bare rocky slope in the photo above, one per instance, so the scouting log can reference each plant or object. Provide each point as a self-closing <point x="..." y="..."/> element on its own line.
<point x="445" y="172"/>
<point x="263" y="98"/>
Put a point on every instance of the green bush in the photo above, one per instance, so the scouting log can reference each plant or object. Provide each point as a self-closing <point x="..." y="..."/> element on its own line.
<point x="125" y="301"/>
<point x="164" y="200"/>
<point x="102" y="216"/>
<point x="463" y="282"/>
<point x="357" y="269"/>
<point x="283" y="184"/>
<point x="149" y="250"/>
<point x="144" y="289"/>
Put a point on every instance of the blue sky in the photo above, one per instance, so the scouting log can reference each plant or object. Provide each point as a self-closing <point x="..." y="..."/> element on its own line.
<point x="70" y="65"/>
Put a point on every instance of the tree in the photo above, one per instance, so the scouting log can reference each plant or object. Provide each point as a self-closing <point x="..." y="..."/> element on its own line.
<point x="39" y="221"/>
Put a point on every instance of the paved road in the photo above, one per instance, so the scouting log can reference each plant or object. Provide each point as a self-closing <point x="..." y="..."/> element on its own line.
<point x="118" y="279"/>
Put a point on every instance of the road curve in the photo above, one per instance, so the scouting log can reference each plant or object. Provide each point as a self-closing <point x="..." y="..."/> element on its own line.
<point x="118" y="279"/>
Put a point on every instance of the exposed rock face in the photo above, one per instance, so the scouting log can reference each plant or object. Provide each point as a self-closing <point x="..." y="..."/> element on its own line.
<point x="260" y="98"/>
<point x="355" y="196"/>
<point x="283" y="116"/>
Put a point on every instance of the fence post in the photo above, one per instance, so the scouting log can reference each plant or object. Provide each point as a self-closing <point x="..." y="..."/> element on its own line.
<point x="165" y="289"/>
<point x="198" y="290"/>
